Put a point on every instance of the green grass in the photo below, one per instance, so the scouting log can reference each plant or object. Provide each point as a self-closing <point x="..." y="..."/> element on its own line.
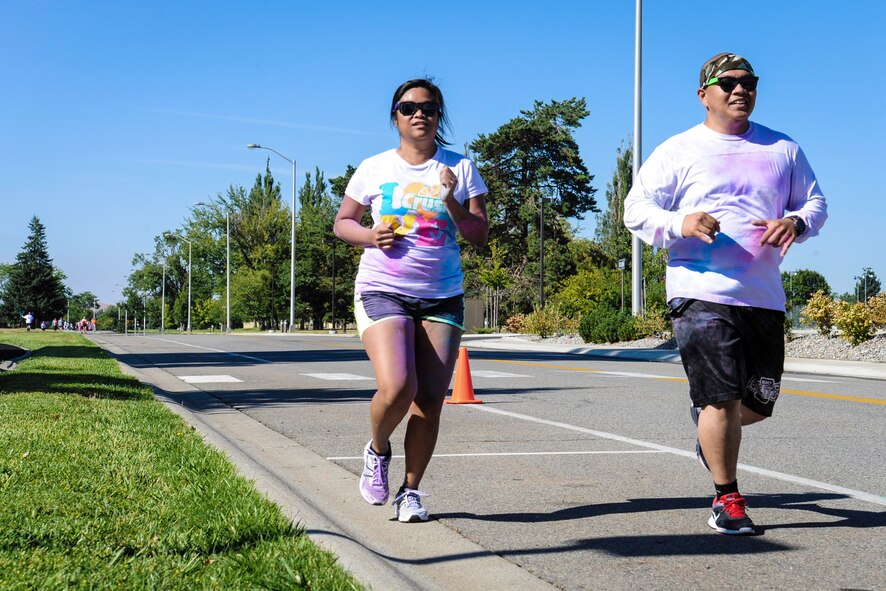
<point x="102" y="487"/>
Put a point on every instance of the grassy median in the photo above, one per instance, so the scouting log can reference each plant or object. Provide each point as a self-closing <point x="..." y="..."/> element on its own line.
<point x="102" y="487"/>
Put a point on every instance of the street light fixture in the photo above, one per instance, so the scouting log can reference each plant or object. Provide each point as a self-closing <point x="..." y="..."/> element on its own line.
<point x="292" y="236"/>
<point x="174" y="235"/>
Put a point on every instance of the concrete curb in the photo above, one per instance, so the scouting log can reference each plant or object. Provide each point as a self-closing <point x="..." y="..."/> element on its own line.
<point x="10" y="364"/>
<point x="322" y="497"/>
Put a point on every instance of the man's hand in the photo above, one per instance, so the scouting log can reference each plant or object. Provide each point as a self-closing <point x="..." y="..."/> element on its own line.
<point x="778" y="233"/>
<point x="702" y="226"/>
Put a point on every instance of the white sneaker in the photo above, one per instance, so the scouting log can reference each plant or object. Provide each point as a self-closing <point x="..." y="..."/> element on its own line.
<point x="407" y="506"/>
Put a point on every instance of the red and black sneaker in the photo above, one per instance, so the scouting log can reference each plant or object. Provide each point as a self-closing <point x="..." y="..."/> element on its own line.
<point x="728" y="515"/>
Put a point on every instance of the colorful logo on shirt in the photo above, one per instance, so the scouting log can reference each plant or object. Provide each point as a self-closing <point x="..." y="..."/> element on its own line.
<point x="415" y="209"/>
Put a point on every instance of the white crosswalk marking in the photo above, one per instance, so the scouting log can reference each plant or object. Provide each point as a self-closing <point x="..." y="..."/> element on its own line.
<point x="208" y="379"/>
<point x="481" y="373"/>
<point x="336" y="376"/>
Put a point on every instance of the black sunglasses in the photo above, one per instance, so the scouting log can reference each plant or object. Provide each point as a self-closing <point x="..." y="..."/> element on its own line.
<point x="409" y="108"/>
<point x="728" y="83"/>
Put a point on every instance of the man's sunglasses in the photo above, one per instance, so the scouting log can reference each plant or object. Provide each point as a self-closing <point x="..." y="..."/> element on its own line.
<point x="409" y="108"/>
<point x="728" y="83"/>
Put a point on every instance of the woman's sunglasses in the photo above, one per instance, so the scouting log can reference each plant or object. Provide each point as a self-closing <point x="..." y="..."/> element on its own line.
<point x="728" y="83"/>
<point x="409" y="108"/>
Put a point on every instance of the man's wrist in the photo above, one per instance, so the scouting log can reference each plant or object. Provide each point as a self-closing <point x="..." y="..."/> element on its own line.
<point x="799" y="224"/>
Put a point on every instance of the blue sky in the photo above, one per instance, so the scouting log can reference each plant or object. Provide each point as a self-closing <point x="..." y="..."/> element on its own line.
<point x="117" y="117"/>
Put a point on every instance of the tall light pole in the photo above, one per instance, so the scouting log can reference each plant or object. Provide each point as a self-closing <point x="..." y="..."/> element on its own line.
<point x="163" y="301"/>
<point x="173" y="234"/>
<point x="228" y="272"/>
<point x="541" y="252"/>
<point x="636" y="245"/>
<point x="292" y="236"/>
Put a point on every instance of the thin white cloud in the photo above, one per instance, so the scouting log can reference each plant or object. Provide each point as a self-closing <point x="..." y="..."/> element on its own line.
<point x="271" y="122"/>
<point x="192" y="164"/>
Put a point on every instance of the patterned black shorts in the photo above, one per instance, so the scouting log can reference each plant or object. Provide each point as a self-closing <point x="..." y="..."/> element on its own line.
<point x="730" y="352"/>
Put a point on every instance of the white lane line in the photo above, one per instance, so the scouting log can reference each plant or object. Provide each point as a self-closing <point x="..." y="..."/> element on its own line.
<point x="483" y="373"/>
<point x="522" y="453"/>
<point x="211" y="349"/>
<point x="209" y="379"/>
<point x="857" y="494"/>
<point x="787" y="379"/>
<point x="336" y="376"/>
<point x="630" y="374"/>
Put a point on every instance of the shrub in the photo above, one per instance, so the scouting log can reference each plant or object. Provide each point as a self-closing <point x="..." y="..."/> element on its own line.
<point x="820" y="310"/>
<point x="548" y="321"/>
<point x="855" y="322"/>
<point x="655" y="322"/>
<point x="605" y="324"/>
<point x="588" y="288"/>
<point x="483" y="330"/>
<point x="516" y="324"/>
<point x="877" y="305"/>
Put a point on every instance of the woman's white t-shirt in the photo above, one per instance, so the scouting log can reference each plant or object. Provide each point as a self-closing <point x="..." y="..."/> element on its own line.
<point x="424" y="260"/>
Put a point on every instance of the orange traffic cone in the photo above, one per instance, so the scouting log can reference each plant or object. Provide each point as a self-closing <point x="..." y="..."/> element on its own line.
<point x="463" y="389"/>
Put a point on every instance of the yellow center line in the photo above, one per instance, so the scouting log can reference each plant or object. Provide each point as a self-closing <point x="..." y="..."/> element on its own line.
<point x="860" y="399"/>
<point x="836" y="396"/>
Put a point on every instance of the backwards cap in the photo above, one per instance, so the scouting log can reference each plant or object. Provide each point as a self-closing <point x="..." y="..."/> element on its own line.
<point x="722" y="62"/>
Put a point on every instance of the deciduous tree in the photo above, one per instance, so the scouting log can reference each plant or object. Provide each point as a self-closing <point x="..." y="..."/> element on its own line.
<point x="532" y="166"/>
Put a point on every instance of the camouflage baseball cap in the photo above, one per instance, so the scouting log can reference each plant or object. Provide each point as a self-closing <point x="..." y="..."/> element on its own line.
<point x="722" y="62"/>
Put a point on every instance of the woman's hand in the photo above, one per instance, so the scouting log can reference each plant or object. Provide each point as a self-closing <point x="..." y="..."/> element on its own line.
<point x="449" y="182"/>
<point x="383" y="236"/>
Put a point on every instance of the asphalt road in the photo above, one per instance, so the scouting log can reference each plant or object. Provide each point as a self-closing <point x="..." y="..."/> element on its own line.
<point x="579" y="471"/>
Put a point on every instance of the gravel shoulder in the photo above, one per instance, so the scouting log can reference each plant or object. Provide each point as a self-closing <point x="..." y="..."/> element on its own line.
<point x="804" y="344"/>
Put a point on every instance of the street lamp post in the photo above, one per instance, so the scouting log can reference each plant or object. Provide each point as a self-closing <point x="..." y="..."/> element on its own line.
<point x="163" y="301"/>
<point x="541" y="252"/>
<point x="292" y="235"/>
<point x="228" y="272"/>
<point x="621" y="267"/>
<point x="865" y="275"/>
<point x="189" y="274"/>
<point x="334" y="240"/>
<point x="636" y="244"/>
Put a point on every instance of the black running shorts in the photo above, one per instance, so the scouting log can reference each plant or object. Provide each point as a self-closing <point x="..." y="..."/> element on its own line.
<point x="730" y="352"/>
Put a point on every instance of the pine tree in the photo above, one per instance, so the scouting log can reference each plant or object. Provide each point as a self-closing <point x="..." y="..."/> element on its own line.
<point x="33" y="284"/>
<point x="611" y="232"/>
